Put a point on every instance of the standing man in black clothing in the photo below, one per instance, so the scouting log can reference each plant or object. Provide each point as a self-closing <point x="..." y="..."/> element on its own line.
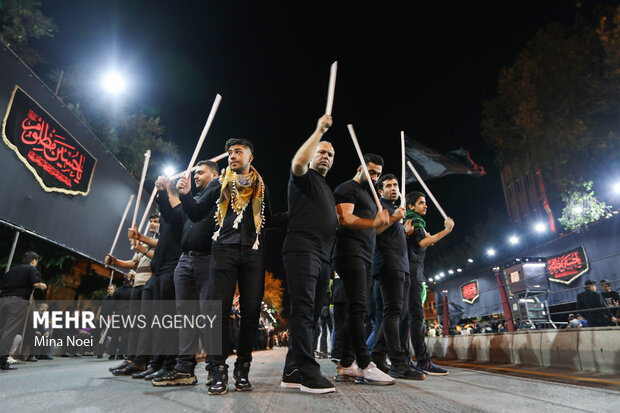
<point x="358" y="221"/>
<point x="16" y="287"/>
<point x="392" y="246"/>
<point x="417" y="242"/>
<point x="306" y="254"/>
<point x="612" y="298"/>
<point x="243" y="209"/>
<point x="593" y="306"/>
<point x="191" y="277"/>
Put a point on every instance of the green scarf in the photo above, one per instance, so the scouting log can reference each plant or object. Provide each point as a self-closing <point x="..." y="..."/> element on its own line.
<point x="416" y="219"/>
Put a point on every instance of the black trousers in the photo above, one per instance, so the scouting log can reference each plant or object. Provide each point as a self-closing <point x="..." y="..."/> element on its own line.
<point x="387" y="339"/>
<point x="231" y="264"/>
<point x="135" y="308"/>
<point x="307" y="278"/>
<point x="326" y="327"/>
<point x="191" y="277"/>
<point x="13" y="311"/>
<point x="144" y="347"/>
<point x="165" y="340"/>
<point x="413" y="320"/>
<point x="354" y="272"/>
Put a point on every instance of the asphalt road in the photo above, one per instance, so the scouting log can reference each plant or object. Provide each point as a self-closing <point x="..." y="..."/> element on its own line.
<point x="85" y="385"/>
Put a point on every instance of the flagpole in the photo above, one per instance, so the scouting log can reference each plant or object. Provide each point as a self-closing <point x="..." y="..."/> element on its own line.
<point x="428" y="191"/>
<point x="361" y="156"/>
<point x="402" y="169"/>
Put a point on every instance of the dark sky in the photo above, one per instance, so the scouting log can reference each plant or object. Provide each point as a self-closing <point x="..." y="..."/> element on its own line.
<point x="422" y="68"/>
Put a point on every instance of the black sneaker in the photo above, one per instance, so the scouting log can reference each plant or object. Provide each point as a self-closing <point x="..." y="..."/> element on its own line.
<point x="405" y="371"/>
<point x="317" y="385"/>
<point x="432" y="369"/>
<point x="159" y="373"/>
<point x="291" y="380"/>
<point x="241" y="372"/>
<point x="220" y="380"/>
<point x="381" y="364"/>
<point x="175" y="378"/>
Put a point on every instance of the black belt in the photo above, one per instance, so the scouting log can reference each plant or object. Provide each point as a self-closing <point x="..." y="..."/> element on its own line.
<point x="193" y="254"/>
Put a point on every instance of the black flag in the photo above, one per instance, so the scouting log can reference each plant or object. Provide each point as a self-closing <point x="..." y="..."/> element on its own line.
<point x="431" y="164"/>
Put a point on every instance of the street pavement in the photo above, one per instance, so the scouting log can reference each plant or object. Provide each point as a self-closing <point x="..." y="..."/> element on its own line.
<point x="85" y="385"/>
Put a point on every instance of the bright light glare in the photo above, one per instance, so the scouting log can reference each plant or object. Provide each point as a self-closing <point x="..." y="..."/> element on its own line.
<point x="617" y="187"/>
<point x="450" y="271"/>
<point x="490" y="252"/>
<point x="431" y="279"/>
<point x="459" y="270"/>
<point x="437" y="278"/>
<point x="442" y="274"/>
<point x="469" y="260"/>
<point x="514" y="240"/>
<point x="540" y="227"/>
<point x="114" y="83"/>
<point x="169" y="170"/>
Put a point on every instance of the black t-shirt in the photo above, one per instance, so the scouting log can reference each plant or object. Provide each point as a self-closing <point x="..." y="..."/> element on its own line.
<point x="356" y="242"/>
<point x="312" y="215"/>
<point x="392" y="244"/>
<point x="610" y="297"/>
<point x="168" y="249"/>
<point x="416" y="253"/>
<point x="19" y="281"/>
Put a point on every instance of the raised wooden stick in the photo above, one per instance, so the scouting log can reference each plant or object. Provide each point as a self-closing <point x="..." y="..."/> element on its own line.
<point x="216" y="104"/>
<point x="147" y="210"/>
<point x="403" y="202"/>
<point x="147" y="157"/>
<point x="428" y="191"/>
<point x="120" y="226"/>
<point x="332" y="88"/>
<point x="361" y="156"/>
<point x="192" y="169"/>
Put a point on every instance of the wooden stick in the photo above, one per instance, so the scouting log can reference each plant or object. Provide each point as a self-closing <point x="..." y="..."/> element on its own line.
<point x="192" y="169"/>
<point x="331" y="88"/>
<point x="147" y="157"/>
<point x="402" y="188"/>
<point x="120" y="226"/>
<point x="361" y="156"/>
<point x="111" y="277"/>
<point x="216" y="104"/>
<point x="148" y="209"/>
<point x="428" y="191"/>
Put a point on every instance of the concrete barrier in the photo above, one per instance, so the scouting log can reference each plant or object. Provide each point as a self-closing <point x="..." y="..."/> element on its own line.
<point x="500" y="348"/>
<point x="462" y="347"/>
<point x="558" y="348"/>
<point x="526" y="348"/>
<point x="599" y="349"/>
<point x="481" y="347"/>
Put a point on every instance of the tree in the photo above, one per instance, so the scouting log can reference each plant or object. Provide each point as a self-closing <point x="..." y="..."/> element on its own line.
<point x="582" y="208"/>
<point x="273" y="291"/>
<point x="20" y="21"/>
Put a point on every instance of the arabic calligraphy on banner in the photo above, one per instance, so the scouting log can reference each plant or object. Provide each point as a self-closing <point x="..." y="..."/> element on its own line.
<point x="567" y="266"/>
<point x="470" y="291"/>
<point x="57" y="160"/>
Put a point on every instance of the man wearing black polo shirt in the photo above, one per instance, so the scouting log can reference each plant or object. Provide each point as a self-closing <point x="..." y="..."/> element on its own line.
<point x="417" y="242"/>
<point x="306" y="254"/>
<point x="15" y="290"/>
<point x="392" y="248"/>
<point x="358" y="220"/>
<point x="191" y="278"/>
<point x="243" y="210"/>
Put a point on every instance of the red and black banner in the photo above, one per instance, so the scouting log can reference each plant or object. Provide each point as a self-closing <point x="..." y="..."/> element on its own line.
<point x="567" y="266"/>
<point x="57" y="160"/>
<point x="470" y="291"/>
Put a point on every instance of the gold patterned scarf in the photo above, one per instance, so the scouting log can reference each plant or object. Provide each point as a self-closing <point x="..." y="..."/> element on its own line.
<point x="239" y="195"/>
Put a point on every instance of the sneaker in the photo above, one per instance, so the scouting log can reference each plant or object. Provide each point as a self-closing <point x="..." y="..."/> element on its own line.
<point x="317" y="385"/>
<point x="11" y="360"/>
<point x="32" y="358"/>
<point x="220" y="380"/>
<point x="405" y="371"/>
<point x="351" y="374"/>
<point x="372" y="375"/>
<point x="175" y="378"/>
<point x="381" y="363"/>
<point x="432" y="369"/>
<point x="291" y="380"/>
<point x="159" y="373"/>
<point x="209" y="374"/>
<point x="241" y="372"/>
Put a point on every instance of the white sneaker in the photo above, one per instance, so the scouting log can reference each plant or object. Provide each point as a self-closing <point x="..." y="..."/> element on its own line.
<point x="372" y="375"/>
<point x="349" y="374"/>
<point x="11" y="360"/>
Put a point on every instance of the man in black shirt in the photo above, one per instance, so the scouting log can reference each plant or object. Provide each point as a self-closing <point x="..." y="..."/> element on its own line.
<point x="392" y="246"/>
<point x="358" y="220"/>
<point x="417" y="242"/>
<point x="15" y="290"/>
<point x="612" y="298"/>
<point x="243" y="210"/>
<point x="593" y="306"/>
<point x="306" y="254"/>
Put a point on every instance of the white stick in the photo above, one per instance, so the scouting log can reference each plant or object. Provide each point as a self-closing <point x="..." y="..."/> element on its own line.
<point x="120" y="226"/>
<point x="148" y="209"/>
<point x="147" y="157"/>
<point x="361" y="156"/>
<point x="331" y="89"/>
<point x="217" y="158"/>
<point x="111" y="276"/>
<point x="428" y="191"/>
<point x="216" y="104"/>
<point x="402" y="188"/>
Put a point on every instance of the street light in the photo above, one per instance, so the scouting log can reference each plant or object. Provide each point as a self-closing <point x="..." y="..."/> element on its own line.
<point x="469" y="260"/>
<point x="616" y="187"/>
<point x="490" y="252"/>
<point x="459" y="270"/>
<point x="450" y="271"/>
<point x="540" y="227"/>
<point x="442" y="274"/>
<point x="169" y="170"/>
<point x="114" y="83"/>
<point x="513" y="240"/>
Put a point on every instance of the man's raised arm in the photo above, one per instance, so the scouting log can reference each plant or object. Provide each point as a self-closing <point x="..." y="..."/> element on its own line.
<point x="304" y="154"/>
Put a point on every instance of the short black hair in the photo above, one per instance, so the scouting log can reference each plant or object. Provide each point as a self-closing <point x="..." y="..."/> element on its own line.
<point x="153" y="216"/>
<point x="29" y="256"/>
<point x="374" y="158"/>
<point x="210" y="164"/>
<point x="413" y="196"/>
<point x="385" y="178"/>
<point x="239" y="141"/>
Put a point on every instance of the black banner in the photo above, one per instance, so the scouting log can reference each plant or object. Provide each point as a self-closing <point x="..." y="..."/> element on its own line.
<point x="470" y="291"/>
<point x="567" y="266"/>
<point x="57" y="160"/>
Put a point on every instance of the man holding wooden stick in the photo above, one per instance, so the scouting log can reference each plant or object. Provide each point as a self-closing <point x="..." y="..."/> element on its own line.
<point x="358" y="219"/>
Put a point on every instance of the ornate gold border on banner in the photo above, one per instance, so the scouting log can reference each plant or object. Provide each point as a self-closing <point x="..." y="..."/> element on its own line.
<point x="477" y="291"/>
<point x="587" y="264"/>
<point x="25" y="162"/>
